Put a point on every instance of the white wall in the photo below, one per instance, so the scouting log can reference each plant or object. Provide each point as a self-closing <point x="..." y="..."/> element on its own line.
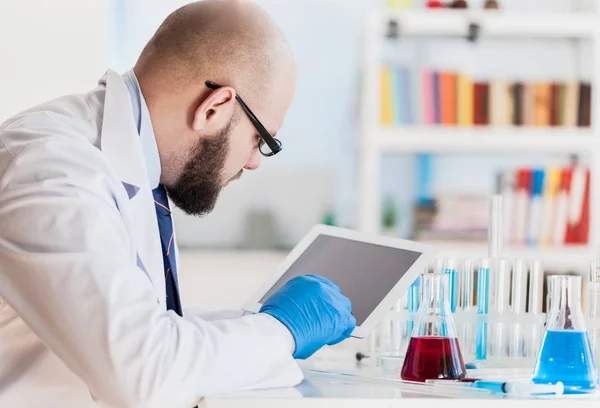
<point x="264" y="209"/>
<point x="50" y="48"/>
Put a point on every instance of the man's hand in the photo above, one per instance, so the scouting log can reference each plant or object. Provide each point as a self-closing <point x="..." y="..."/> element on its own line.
<point x="314" y="311"/>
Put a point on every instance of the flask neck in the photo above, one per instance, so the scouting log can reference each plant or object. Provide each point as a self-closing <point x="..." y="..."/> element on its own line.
<point x="435" y="317"/>
<point x="565" y="303"/>
<point x="436" y="293"/>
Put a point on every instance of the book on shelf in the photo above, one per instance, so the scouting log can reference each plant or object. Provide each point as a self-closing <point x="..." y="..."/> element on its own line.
<point x="546" y="207"/>
<point x="423" y="96"/>
<point x="542" y="207"/>
<point x="456" y="217"/>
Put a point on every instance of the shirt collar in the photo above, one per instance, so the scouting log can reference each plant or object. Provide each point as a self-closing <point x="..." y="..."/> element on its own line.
<point x="144" y="127"/>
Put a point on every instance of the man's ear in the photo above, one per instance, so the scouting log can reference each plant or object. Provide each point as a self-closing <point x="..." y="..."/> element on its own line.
<point x="215" y="111"/>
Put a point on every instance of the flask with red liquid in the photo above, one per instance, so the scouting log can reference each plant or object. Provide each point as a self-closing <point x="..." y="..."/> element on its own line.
<point x="433" y="351"/>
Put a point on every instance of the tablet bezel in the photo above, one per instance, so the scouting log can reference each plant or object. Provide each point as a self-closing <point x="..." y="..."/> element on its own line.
<point x="428" y="253"/>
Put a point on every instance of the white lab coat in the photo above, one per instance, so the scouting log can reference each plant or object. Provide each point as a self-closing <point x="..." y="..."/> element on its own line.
<point x="82" y="292"/>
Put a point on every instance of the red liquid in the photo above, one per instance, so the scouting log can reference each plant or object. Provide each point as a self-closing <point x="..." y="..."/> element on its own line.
<point x="429" y="358"/>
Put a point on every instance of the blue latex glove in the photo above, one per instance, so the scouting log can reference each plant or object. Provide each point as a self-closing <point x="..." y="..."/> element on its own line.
<point x="314" y="311"/>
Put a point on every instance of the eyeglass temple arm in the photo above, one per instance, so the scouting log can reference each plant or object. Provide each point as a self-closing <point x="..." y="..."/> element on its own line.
<point x="266" y="136"/>
<point x="264" y="133"/>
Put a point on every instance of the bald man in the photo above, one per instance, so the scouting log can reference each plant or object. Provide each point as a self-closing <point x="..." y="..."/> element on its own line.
<point x="90" y="313"/>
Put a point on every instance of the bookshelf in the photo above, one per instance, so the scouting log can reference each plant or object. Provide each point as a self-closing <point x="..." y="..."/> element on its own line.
<point x="492" y="23"/>
<point x="377" y="139"/>
<point x="576" y="258"/>
<point x="455" y="140"/>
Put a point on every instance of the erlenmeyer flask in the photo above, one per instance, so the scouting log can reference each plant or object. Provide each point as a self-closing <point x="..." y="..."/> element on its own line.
<point x="566" y="354"/>
<point x="433" y="351"/>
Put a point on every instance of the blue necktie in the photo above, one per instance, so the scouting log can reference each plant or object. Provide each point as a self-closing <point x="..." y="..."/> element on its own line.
<point x="165" y="226"/>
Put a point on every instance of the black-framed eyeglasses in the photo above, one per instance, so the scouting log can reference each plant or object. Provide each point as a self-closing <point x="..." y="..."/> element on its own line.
<point x="268" y="146"/>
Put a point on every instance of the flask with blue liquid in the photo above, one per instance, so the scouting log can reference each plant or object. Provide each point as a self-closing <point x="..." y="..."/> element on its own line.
<point x="566" y="354"/>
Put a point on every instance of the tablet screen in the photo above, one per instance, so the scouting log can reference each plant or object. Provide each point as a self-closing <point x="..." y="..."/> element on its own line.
<point x="364" y="272"/>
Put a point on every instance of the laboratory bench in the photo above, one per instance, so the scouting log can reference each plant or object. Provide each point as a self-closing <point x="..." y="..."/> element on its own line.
<point x="330" y="386"/>
<point x="347" y="384"/>
<point x="333" y="377"/>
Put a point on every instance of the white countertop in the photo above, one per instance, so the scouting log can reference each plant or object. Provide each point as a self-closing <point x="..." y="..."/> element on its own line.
<point x="356" y="386"/>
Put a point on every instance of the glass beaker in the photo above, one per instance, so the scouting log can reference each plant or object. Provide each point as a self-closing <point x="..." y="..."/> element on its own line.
<point x="433" y="351"/>
<point x="565" y="354"/>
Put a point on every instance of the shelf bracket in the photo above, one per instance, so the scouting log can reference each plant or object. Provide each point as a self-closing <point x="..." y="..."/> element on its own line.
<point x="473" y="32"/>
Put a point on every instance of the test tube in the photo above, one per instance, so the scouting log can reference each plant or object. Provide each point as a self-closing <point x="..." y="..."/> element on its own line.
<point x="439" y="266"/>
<point x="483" y="293"/>
<point x="373" y="340"/>
<point x="494" y="239"/>
<point x="519" y="298"/>
<point x="466" y="293"/>
<point x="386" y="336"/>
<point x="467" y="306"/>
<point x="450" y="270"/>
<point x="501" y="307"/>
<point x="502" y="286"/>
<point x="536" y="301"/>
<point x="397" y="325"/>
<point x="439" y="269"/>
<point x="414" y="295"/>
<point x="536" y="287"/>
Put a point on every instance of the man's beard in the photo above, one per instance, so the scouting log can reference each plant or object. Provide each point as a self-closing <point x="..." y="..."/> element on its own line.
<point x="197" y="189"/>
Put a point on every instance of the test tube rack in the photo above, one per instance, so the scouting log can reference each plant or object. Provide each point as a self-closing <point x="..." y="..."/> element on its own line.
<point x="511" y="325"/>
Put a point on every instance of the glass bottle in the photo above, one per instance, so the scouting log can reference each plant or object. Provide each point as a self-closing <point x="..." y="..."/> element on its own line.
<point x="565" y="354"/>
<point x="433" y="351"/>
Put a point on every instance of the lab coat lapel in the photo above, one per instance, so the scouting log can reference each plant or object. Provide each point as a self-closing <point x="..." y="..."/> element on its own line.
<point x="120" y="143"/>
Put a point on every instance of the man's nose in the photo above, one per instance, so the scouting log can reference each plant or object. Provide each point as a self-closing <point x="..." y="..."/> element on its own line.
<point x="254" y="160"/>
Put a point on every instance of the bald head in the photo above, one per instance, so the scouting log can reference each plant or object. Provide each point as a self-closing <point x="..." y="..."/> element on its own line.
<point x="205" y="136"/>
<point x="231" y="42"/>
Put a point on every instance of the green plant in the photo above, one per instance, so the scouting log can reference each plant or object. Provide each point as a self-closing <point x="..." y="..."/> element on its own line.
<point x="329" y="218"/>
<point x="389" y="214"/>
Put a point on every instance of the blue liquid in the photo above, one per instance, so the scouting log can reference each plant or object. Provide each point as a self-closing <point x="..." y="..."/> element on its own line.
<point x="453" y="286"/>
<point x="567" y="356"/>
<point x="481" y="342"/>
<point x="483" y="293"/>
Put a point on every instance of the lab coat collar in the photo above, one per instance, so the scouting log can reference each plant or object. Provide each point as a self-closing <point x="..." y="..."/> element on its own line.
<point x="143" y="124"/>
<point x="119" y="141"/>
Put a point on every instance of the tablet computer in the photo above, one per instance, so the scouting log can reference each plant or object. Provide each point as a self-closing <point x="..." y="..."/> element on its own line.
<point x="373" y="271"/>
